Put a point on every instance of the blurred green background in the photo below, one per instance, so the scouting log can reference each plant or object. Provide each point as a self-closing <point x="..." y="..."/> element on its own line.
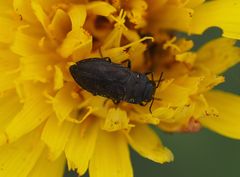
<point x="202" y="154"/>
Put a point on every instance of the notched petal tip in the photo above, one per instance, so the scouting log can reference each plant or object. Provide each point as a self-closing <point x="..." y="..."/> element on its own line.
<point x="147" y="143"/>
<point x="221" y="13"/>
<point x="113" y="160"/>
<point x="227" y="120"/>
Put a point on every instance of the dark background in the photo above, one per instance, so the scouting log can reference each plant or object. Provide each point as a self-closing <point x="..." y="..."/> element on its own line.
<point x="202" y="154"/>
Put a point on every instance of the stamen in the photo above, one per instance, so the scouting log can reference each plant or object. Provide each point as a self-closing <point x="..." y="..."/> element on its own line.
<point x="139" y="41"/>
<point x="169" y="44"/>
<point x="42" y="42"/>
<point x="49" y="97"/>
<point x="120" y="20"/>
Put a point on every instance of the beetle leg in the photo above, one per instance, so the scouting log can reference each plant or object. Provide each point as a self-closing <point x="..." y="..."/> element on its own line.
<point x="150" y="107"/>
<point x="116" y="101"/>
<point x="107" y="59"/>
<point x="150" y="72"/>
<point x="147" y="73"/>
<point x="128" y="63"/>
<point x="143" y="104"/>
<point x="104" y="58"/>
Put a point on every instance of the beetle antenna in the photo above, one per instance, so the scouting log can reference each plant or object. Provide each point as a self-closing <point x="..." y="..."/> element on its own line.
<point x="160" y="80"/>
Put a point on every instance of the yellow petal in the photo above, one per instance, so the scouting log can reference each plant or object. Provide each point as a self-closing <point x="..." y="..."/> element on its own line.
<point x="37" y="67"/>
<point x="23" y="7"/>
<point x="52" y="5"/>
<point x="111" y="156"/>
<point x="119" y="54"/>
<point x="116" y="119"/>
<point x="46" y="168"/>
<point x="77" y="43"/>
<point x="41" y="15"/>
<point x="164" y="113"/>
<point x="60" y="25"/>
<point x="18" y="158"/>
<point x="171" y="17"/>
<point x="33" y="113"/>
<point x="189" y="82"/>
<point x="178" y="92"/>
<point x="144" y="118"/>
<point x="136" y="52"/>
<point x="210" y="81"/>
<point x="8" y="110"/>
<point x="78" y="16"/>
<point x="25" y="45"/>
<point x="180" y="119"/>
<point x="218" y="55"/>
<point x="187" y="58"/>
<point x="81" y="144"/>
<point x="58" y="78"/>
<point x="143" y="115"/>
<point x="137" y="13"/>
<point x="131" y="35"/>
<point x="5" y="5"/>
<point x="9" y="61"/>
<point x="10" y="107"/>
<point x="55" y="136"/>
<point x="147" y="143"/>
<point x="9" y="69"/>
<point x="201" y="105"/>
<point x="8" y="28"/>
<point x="194" y="3"/>
<point x="113" y="39"/>
<point x="174" y="95"/>
<point x="116" y="54"/>
<point x="100" y="8"/>
<point x="220" y="13"/>
<point x="7" y="80"/>
<point x="227" y="122"/>
<point x="64" y="102"/>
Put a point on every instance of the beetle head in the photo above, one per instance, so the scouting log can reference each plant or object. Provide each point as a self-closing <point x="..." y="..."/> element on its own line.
<point x="73" y="69"/>
<point x="149" y="91"/>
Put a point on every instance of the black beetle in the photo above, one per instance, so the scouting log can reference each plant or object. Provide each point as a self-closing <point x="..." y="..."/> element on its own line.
<point x="102" y="77"/>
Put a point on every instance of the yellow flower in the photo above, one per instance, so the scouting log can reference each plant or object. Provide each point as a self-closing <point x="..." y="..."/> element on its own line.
<point x="47" y="119"/>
